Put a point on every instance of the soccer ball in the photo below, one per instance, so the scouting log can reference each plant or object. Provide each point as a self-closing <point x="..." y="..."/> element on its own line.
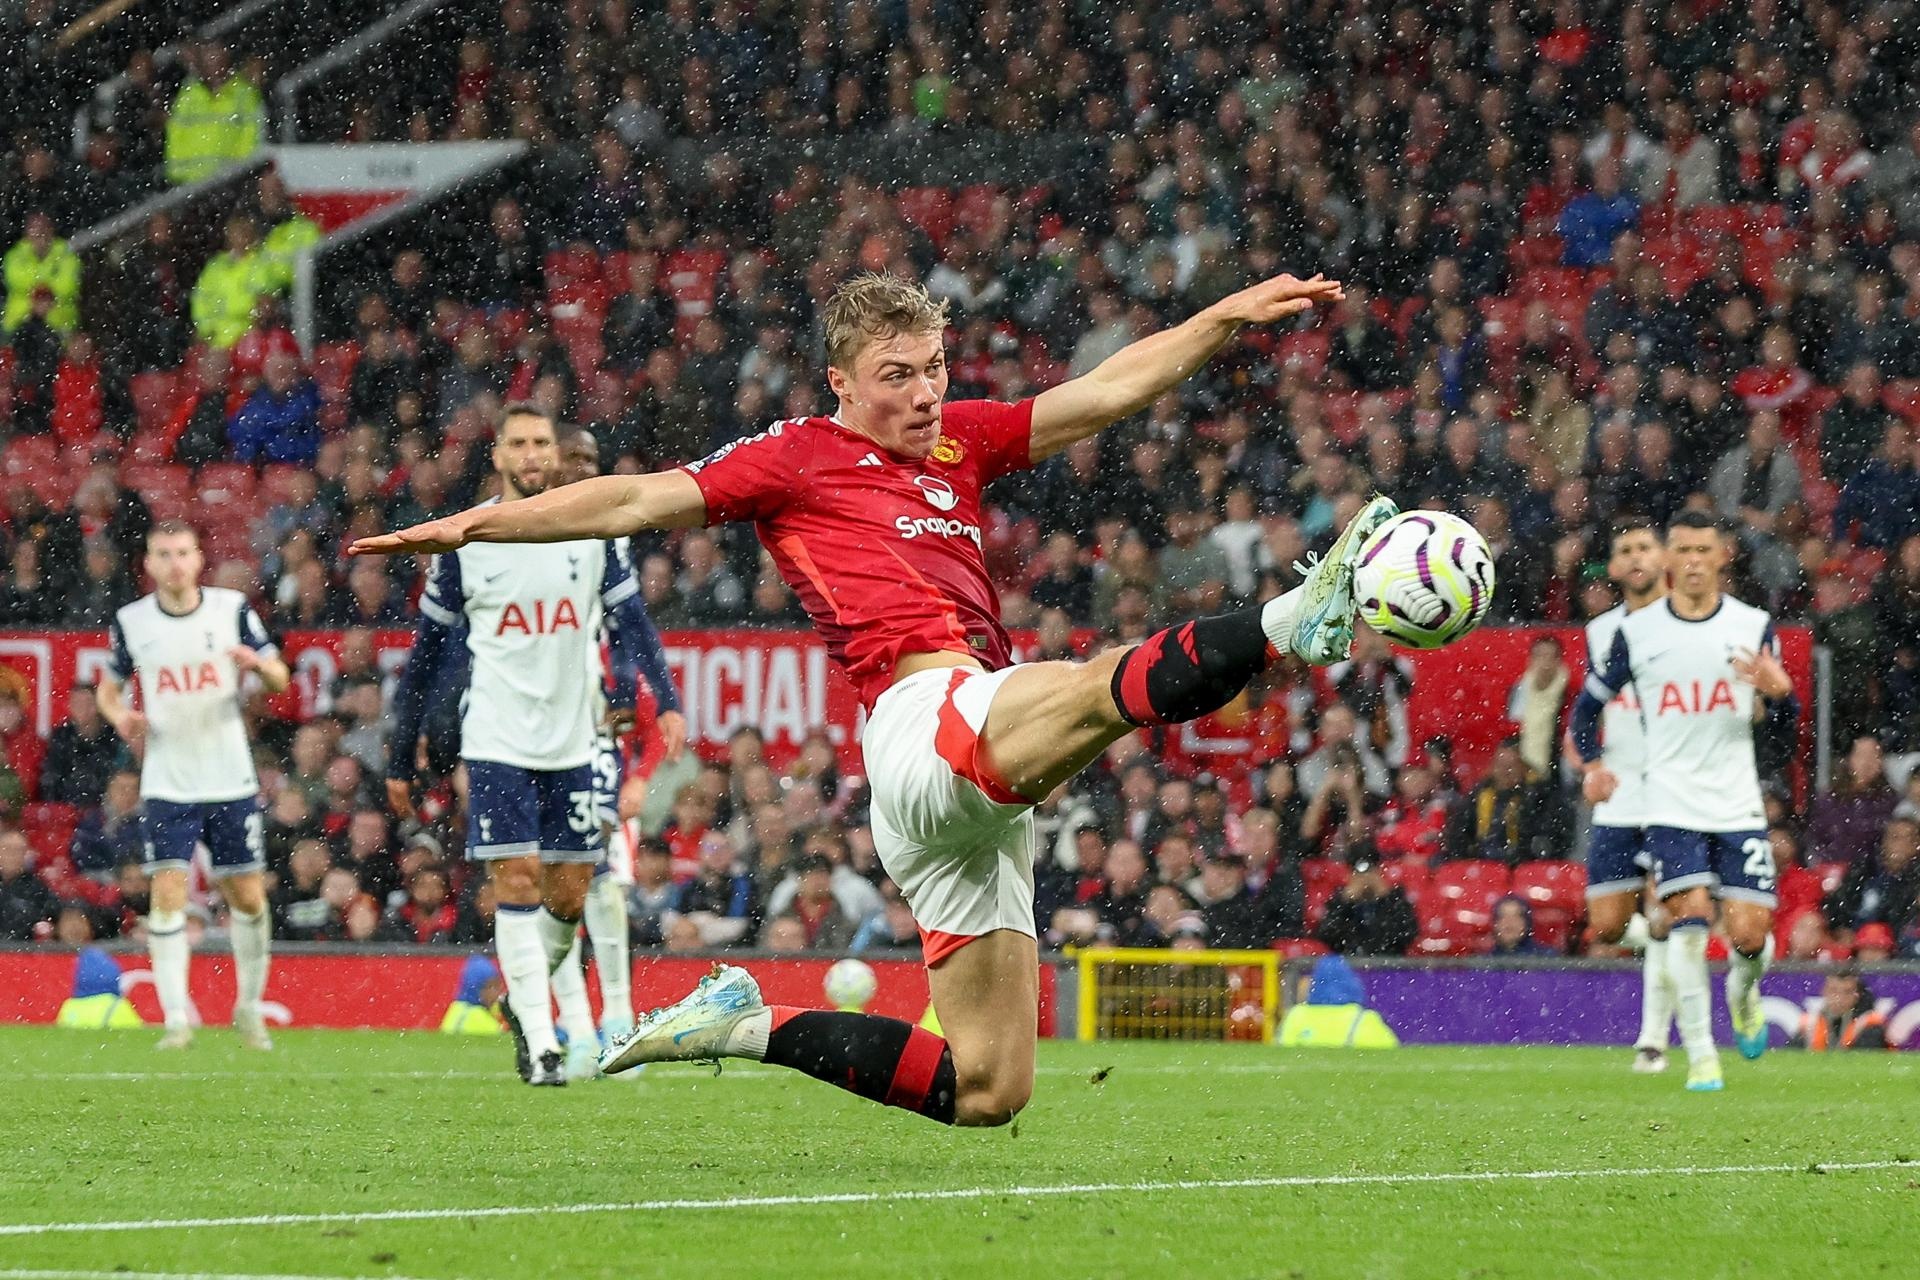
<point x="850" y="985"/>
<point x="1425" y="579"/>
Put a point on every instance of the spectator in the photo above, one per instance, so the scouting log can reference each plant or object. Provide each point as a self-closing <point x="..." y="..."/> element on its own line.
<point x="216" y="119"/>
<point x="1227" y="905"/>
<point x="27" y="905"/>
<point x="110" y="834"/>
<point x="825" y="925"/>
<point x="230" y="286"/>
<point x="301" y="907"/>
<point x="1754" y="481"/>
<point x="1537" y="702"/>
<point x="1368" y="917"/>
<point x="1505" y="818"/>
<point x="653" y="897"/>
<point x="280" y="422"/>
<point x="1513" y="929"/>
<point x="1846" y="1019"/>
<point x="1591" y="220"/>
<point x="1883" y="888"/>
<point x="1845" y="824"/>
<point x="290" y="233"/>
<point x="721" y="898"/>
<point x="713" y="597"/>
<point x="1880" y="501"/>
<point x="40" y="263"/>
<point x="81" y="755"/>
<point x="21" y="743"/>
<point x="426" y="917"/>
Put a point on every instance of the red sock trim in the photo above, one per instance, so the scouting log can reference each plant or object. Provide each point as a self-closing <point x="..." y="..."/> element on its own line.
<point x="1134" y="703"/>
<point x="913" y="1076"/>
<point x="781" y="1013"/>
<point x="936" y="946"/>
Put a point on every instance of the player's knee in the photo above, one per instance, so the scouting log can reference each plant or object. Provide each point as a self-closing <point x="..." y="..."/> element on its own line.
<point x="1607" y="924"/>
<point x="565" y="898"/>
<point x="517" y="886"/>
<point x="168" y="892"/>
<point x="1748" y="938"/>
<point x="991" y="1105"/>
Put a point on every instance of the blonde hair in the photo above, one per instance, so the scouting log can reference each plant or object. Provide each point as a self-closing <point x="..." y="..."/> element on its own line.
<point x="871" y="306"/>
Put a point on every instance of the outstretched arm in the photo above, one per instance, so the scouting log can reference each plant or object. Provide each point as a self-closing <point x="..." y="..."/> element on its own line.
<point x="1136" y="375"/>
<point x="603" y="507"/>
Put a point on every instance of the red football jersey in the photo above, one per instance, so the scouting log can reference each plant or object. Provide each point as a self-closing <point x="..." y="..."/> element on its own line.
<point x="882" y="551"/>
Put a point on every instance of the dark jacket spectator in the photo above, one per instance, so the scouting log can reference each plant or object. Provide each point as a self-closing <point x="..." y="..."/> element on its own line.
<point x="111" y="834"/>
<point x="81" y="753"/>
<point x="1882" y="889"/>
<point x="1368" y="917"/>
<point x="27" y="905"/>
<point x="1505" y="816"/>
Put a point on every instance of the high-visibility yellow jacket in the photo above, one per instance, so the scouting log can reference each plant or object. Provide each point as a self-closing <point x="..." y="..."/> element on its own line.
<point x="26" y="272"/>
<point x="283" y="246"/>
<point x="225" y="295"/>
<point x="209" y="129"/>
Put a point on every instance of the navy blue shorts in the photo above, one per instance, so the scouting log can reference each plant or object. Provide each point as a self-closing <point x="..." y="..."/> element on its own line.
<point x="1616" y="860"/>
<point x="234" y="832"/>
<point x="1735" y="865"/>
<point x="517" y="813"/>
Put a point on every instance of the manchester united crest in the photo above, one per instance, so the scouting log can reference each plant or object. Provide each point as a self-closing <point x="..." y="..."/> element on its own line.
<point x="947" y="451"/>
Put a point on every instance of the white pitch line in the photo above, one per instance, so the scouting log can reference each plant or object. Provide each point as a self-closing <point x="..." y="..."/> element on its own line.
<point x="68" y="1274"/>
<point x="955" y="1193"/>
<point x="756" y="1072"/>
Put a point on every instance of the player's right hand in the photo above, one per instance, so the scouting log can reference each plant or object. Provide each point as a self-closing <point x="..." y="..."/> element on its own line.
<point x="1599" y="784"/>
<point x="431" y="538"/>
<point x="400" y="798"/>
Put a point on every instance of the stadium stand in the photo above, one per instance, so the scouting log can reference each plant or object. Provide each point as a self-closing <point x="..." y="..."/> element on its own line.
<point x="1601" y="257"/>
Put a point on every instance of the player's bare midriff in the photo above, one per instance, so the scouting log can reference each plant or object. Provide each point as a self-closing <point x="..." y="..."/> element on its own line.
<point x="915" y="663"/>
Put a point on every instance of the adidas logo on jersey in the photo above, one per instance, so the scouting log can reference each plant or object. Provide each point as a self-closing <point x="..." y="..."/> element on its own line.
<point x="871" y="460"/>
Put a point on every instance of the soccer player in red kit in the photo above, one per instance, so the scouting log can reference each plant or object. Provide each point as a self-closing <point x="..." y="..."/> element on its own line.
<point x="873" y="517"/>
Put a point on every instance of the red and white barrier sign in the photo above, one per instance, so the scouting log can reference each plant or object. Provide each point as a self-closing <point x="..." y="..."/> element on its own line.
<point x="781" y="683"/>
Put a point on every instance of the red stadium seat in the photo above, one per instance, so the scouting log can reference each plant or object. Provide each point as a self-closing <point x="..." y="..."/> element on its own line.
<point x="1322" y="878"/>
<point x="974" y="207"/>
<point x="1551" y="883"/>
<point x="49" y="829"/>
<point x="1718" y="220"/>
<point x="1902" y="397"/>
<point x="155" y="397"/>
<point x="1468" y="890"/>
<point x="928" y="208"/>
<point x="333" y="364"/>
<point x="1413" y="878"/>
<point x="223" y="483"/>
<point x="1831" y="874"/>
<point x="1305" y="353"/>
<point x="276" y="482"/>
<point x="1448" y="933"/>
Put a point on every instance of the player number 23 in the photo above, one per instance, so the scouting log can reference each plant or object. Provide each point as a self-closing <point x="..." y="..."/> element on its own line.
<point x="1759" y="865"/>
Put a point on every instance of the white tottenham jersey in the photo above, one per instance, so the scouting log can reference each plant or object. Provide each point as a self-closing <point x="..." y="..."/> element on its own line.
<point x="197" y="750"/>
<point x="1700" y="769"/>
<point x="533" y="614"/>
<point x="1622" y="736"/>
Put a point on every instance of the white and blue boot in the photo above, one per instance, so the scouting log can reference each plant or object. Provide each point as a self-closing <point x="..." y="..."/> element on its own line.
<point x="696" y="1029"/>
<point x="1322" y="632"/>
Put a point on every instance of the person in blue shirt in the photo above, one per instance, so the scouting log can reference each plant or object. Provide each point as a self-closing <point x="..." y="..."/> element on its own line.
<point x="280" y="421"/>
<point x="1591" y="220"/>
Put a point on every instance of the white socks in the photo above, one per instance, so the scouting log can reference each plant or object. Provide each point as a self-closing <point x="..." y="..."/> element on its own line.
<point x="556" y="935"/>
<point x="1656" y="995"/>
<point x="749" y="1039"/>
<point x="1692" y="998"/>
<point x="167" y="952"/>
<point x="606" y="917"/>
<point x="1743" y="972"/>
<point x="1277" y="617"/>
<point x="252" y="937"/>
<point x="570" y="993"/>
<point x="523" y="963"/>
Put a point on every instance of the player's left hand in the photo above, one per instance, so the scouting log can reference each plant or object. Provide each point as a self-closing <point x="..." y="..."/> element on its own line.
<point x="245" y="658"/>
<point x="431" y="538"/>
<point x="1765" y="672"/>
<point x="673" y="733"/>
<point x="1277" y="298"/>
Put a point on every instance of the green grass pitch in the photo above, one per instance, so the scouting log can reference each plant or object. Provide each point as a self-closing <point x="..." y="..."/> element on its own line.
<point x="418" y="1155"/>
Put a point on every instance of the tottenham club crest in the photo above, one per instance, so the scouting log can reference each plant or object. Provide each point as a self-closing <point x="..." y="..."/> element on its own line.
<point x="938" y="492"/>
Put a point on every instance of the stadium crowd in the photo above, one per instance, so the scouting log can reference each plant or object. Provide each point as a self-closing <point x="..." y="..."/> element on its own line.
<point x="1600" y="258"/>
